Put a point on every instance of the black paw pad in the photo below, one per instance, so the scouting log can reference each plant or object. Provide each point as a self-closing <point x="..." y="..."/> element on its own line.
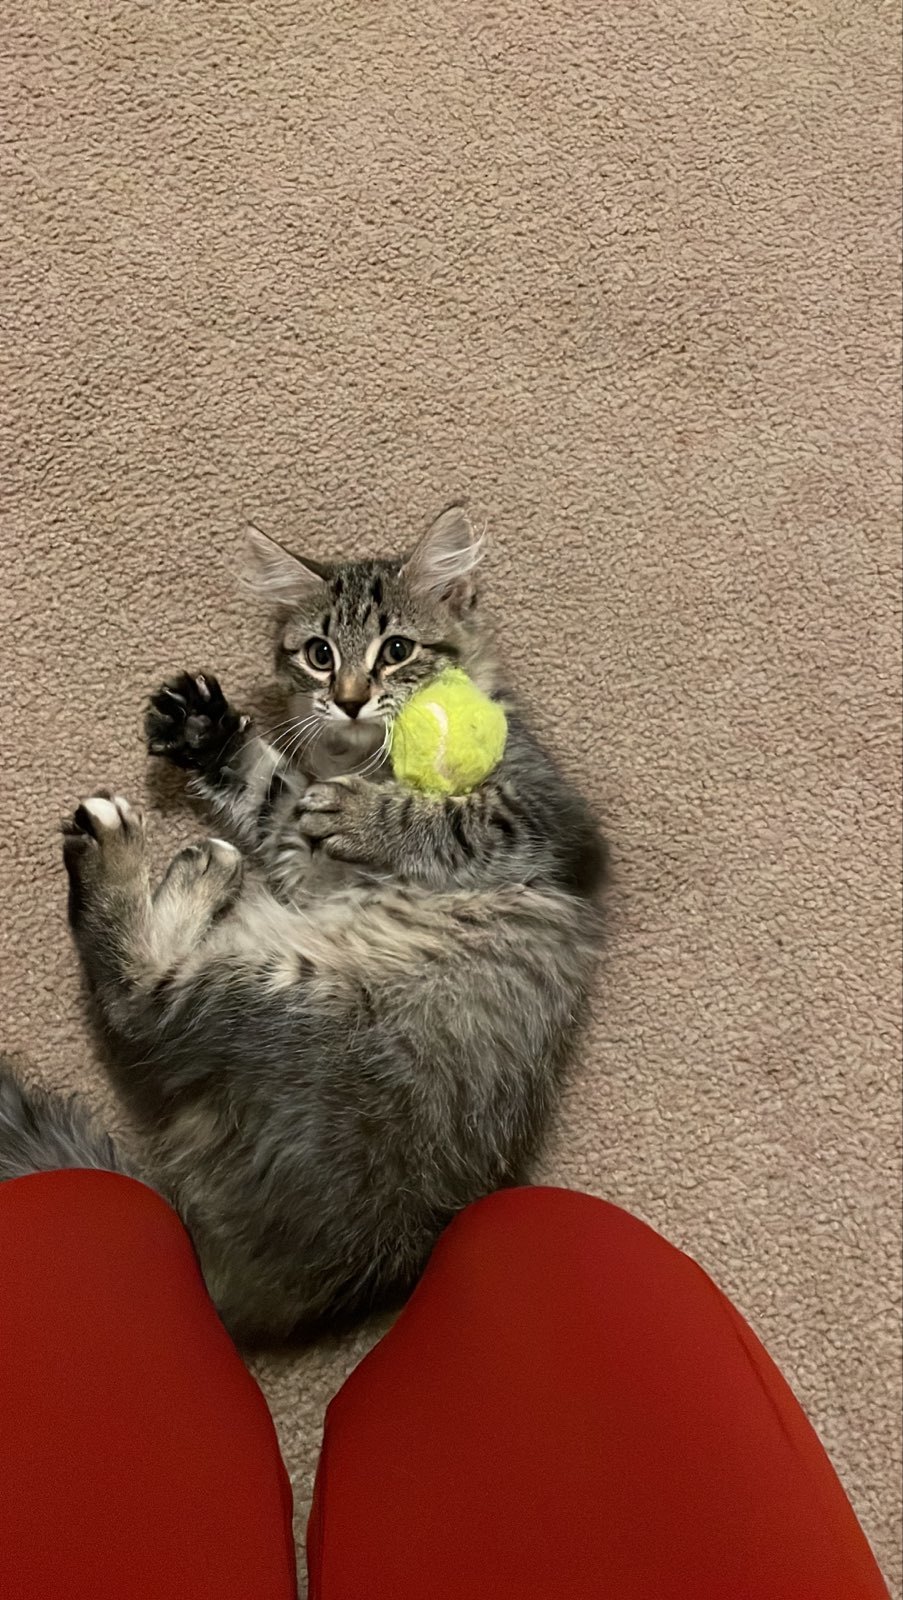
<point x="190" y="722"/>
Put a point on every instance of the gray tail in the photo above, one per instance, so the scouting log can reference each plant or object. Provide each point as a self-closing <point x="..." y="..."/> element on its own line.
<point x="41" y="1132"/>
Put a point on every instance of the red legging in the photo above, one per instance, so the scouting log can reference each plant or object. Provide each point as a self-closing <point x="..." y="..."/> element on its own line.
<point x="568" y="1409"/>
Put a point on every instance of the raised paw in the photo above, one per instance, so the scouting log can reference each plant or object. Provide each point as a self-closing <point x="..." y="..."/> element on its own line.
<point x="208" y="874"/>
<point x="103" y="844"/>
<point x="106" y="819"/>
<point x="191" y="723"/>
<point x="213" y="866"/>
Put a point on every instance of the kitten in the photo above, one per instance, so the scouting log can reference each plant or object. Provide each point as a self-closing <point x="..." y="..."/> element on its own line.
<point x="344" y="1028"/>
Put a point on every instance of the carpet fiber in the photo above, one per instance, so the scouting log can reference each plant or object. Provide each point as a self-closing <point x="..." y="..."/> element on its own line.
<point x="625" y="276"/>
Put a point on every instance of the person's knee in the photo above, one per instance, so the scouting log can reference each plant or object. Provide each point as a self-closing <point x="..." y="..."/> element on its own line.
<point x="531" y="1240"/>
<point x="532" y="1214"/>
<point x="518" y="1232"/>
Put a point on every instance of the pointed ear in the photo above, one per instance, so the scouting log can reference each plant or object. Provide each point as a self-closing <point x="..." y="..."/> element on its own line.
<point x="275" y="576"/>
<point x="441" y="566"/>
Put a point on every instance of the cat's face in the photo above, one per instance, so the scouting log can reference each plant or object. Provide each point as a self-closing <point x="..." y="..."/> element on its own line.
<point x="356" y="639"/>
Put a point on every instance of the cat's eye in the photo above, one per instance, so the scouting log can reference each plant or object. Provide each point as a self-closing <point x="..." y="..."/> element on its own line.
<point x="319" y="654"/>
<point x="396" y="650"/>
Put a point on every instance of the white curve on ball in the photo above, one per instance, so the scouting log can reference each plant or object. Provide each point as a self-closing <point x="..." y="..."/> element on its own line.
<point x="441" y="717"/>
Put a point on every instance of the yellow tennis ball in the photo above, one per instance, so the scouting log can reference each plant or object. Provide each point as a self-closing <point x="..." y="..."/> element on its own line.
<point x="448" y="737"/>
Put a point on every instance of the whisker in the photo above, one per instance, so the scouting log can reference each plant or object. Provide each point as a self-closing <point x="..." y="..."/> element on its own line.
<point x="294" y="745"/>
<point x="297" y="729"/>
<point x="293" y="722"/>
<point x="372" y="761"/>
<point x="290" y="721"/>
<point x="311" y="746"/>
<point x="303" y="737"/>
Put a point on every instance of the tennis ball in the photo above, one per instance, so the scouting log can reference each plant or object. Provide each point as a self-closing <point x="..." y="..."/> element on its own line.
<point x="448" y="737"/>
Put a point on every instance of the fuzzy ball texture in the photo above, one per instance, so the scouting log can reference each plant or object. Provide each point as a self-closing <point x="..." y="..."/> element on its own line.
<point x="449" y="736"/>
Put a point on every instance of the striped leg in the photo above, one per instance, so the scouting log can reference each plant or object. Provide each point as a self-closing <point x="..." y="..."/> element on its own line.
<point x="190" y="722"/>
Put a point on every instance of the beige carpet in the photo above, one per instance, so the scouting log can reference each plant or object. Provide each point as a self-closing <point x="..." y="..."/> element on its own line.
<point x="626" y="276"/>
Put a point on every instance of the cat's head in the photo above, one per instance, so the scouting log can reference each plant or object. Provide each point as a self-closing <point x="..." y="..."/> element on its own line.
<point x="356" y="638"/>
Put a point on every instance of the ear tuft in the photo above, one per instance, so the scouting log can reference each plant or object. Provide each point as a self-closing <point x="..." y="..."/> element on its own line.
<point x="441" y="566"/>
<point x="274" y="575"/>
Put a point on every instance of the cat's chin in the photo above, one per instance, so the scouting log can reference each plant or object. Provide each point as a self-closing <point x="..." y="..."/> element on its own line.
<point x="344" y="748"/>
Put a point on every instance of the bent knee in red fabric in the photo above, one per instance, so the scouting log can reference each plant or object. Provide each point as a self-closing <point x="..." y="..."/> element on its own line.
<point x="569" y="1409"/>
<point x="138" y="1461"/>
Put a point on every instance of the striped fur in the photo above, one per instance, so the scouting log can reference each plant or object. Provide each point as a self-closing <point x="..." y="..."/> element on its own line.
<point x="346" y="1028"/>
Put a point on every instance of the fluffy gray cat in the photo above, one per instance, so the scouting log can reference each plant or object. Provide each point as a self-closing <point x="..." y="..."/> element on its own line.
<point x="341" y="1028"/>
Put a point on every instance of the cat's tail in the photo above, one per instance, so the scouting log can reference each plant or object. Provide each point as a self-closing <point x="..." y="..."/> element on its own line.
<point x="41" y="1131"/>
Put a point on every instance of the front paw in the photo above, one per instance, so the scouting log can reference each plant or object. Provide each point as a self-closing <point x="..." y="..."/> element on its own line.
<point x="191" y="723"/>
<point x="346" y="818"/>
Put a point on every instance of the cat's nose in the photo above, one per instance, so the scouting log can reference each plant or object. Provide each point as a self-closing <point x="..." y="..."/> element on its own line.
<point x="350" y="707"/>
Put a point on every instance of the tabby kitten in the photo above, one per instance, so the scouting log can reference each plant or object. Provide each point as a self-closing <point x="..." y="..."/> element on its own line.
<point x="345" y="1026"/>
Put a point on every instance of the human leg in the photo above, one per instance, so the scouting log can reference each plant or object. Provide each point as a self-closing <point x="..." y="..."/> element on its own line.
<point x="569" y="1409"/>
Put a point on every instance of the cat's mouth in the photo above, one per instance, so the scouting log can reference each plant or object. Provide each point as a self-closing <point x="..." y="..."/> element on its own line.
<point x="336" y="747"/>
<point x="323" y="738"/>
<point x="357" y="713"/>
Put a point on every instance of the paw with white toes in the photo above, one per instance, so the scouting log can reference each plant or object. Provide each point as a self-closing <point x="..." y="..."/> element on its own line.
<point x="102" y="841"/>
<point x="209" y="873"/>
